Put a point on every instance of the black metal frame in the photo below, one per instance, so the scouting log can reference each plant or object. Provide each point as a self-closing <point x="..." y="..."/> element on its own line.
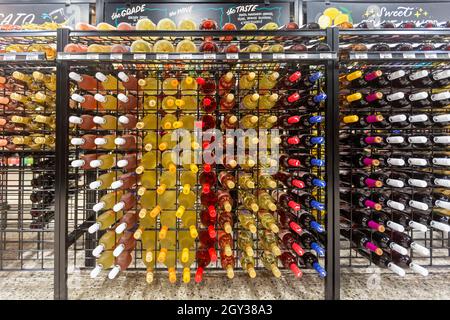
<point x="387" y="58"/>
<point x="19" y="188"/>
<point x="61" y="291"/>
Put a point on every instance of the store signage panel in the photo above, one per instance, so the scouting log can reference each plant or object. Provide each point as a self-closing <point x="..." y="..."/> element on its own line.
<point x="379" y="12"/>
<point x="38" y="13"/>
<point x="239" y="14"/>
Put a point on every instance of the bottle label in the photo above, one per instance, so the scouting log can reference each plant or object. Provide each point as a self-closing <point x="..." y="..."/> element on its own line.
<point x="396" y="161"/>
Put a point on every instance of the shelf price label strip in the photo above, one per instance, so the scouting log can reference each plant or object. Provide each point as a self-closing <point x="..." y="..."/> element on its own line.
<point x="399" y="55"/>
<point x="197" y="56"/>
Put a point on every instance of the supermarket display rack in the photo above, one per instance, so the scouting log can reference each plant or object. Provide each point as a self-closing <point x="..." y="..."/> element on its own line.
<point x="26" y="228"/>
<point x="436" y="240"/>
<point x="74" y="215"/>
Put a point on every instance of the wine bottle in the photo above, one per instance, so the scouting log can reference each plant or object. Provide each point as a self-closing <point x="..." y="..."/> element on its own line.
<point x="403" y="260"/>
<point x="289" y="262"/>
<point x="362" y="219"/>
<point x="405" y="240"/>
<point x="360" y="240"/>
<point x="360" y="200"/>
<point x="383" y="261"/>
<point x="309" y="260"/>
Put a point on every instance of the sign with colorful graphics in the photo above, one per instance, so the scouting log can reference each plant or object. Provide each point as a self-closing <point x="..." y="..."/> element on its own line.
<point x="336" y="12"/>
<point x="38" y="13"/>
<point x="239" y="14"/>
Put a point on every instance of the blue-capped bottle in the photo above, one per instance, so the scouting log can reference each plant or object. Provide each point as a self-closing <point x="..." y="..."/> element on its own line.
<point x="308" y="121"/>
<point x="307" y="200"/>
<point x="312" y="102"/>
<point x="310" y="179"/>
<point x="310" y="81"/>
<point x="309" y="141"/>
<point x="308" y="241"/>
<point x="308" y="222"/>
<point x="310" y="261"/>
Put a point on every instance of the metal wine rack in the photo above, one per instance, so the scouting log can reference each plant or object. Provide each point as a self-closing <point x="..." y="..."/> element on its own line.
<point x="435" y="240"/>
<point x="74" y="215"/>
<point x="26" y="228"/>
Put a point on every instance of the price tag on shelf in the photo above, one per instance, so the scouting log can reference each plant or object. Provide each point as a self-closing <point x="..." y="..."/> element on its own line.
<point x="232" y="56"/>
<point x="279" y="56"/>
<point x="186" y="56"/>
<point x="116" y="56"/>
<point x="255" y="56"/>
<point x="162" y="56"/>
<point x="92" y="56"/>
<point x="32" y="57"/>
<point x="299" y="56"/>
<point x="359" y="55"/>
<point x="430" y="55"/>
<point x="139" y="56"/>
<point x="325" y="55"/>
<point x="448" y="55"/>
<point x="9" y="57"/>
<point x="209" y="56"/>
<point x="409" y="55"/>
<point x="384" y="55"/>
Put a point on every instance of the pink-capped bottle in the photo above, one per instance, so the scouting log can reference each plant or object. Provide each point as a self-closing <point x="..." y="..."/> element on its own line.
<point x="360" y="180"/>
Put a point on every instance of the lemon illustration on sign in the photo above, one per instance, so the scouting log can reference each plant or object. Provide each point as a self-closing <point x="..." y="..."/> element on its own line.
<point x="324" y="21"/>
<point x="331" y="12"/>
<point x="166" y="24"/>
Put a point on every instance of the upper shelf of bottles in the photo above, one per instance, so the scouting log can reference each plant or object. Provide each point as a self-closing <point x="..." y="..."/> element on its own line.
<point x="27" y="45"/>
<point x="199" y="45"/>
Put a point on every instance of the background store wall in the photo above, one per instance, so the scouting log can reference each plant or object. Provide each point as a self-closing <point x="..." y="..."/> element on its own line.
<point x="378" y="11"/>
<point x="238" y="12"/>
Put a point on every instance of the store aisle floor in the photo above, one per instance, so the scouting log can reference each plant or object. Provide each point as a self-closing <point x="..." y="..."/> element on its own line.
<point x="38" y="285"/>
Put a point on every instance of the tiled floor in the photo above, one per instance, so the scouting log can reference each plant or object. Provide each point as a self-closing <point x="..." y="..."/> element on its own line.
<point x="131" y="285"/>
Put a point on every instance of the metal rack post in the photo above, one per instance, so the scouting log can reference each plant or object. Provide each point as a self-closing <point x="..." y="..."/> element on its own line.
<point x="61" y="183"/>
